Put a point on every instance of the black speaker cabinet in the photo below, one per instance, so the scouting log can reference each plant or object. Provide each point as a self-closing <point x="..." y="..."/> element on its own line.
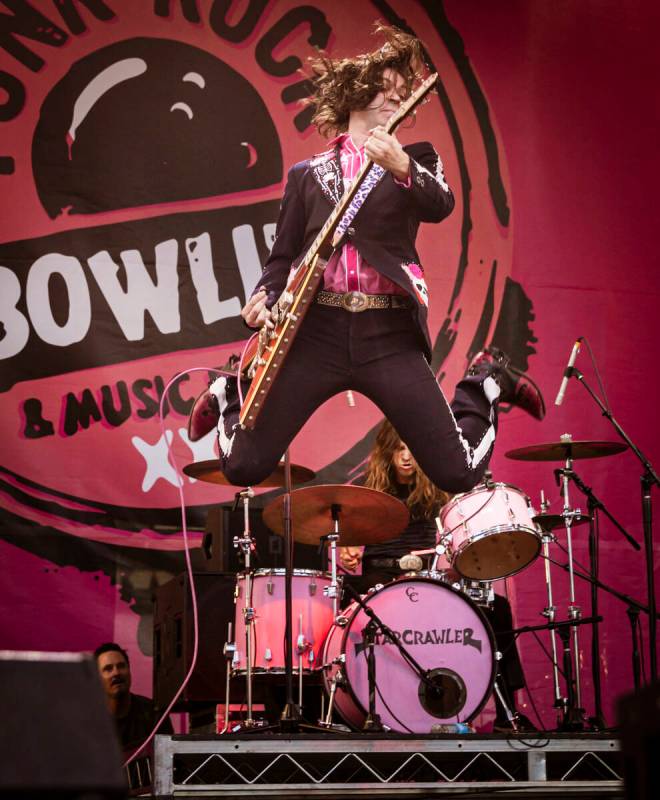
<point x="223" y="524"/>
<point x="174" y="638"/>
<point x="57" y="736"/>
<point x="639" y="718"/>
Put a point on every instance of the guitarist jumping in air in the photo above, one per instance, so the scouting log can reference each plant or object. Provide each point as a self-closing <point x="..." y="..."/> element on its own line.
<point x="343" y="296"/>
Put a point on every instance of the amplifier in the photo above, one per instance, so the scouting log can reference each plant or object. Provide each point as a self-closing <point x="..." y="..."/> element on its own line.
<point x="174" y="638"/>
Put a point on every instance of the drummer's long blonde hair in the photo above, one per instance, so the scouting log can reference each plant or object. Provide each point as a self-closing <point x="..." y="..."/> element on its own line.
<point x="424" y="499"/>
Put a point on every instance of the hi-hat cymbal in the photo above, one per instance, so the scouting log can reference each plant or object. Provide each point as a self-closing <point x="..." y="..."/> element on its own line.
<point x="560" y="451"/>
<point x="209" y="471"/>
<point x="550" y="522"/>
<point x="366" y="516"/>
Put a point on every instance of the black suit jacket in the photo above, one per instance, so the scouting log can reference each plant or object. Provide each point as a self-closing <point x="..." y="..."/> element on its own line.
<point x="383" y="231"/>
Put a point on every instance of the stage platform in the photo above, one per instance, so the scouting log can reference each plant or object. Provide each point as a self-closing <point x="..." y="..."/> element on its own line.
<point x="265" y="764"/>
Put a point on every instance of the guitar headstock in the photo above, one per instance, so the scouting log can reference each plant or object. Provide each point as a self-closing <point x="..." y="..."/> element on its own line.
<point x="411" y="103"/>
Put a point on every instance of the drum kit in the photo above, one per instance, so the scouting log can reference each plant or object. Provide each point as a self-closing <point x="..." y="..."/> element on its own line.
<point x="416" y="655"/>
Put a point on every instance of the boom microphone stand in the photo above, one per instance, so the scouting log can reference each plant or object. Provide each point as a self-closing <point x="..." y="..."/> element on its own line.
<point x="594" y="504"/>
<point x="649" y="479"/>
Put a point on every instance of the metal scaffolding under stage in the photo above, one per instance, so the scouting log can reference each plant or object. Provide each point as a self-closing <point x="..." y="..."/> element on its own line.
<point x="296" y="766"/>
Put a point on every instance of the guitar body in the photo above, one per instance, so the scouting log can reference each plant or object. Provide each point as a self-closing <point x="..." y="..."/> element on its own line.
<point x="272" y="344"/>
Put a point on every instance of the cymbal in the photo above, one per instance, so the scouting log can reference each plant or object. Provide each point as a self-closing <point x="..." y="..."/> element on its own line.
<point x="560" y="451"/>
<point x="366" y="516"/>
<point x="549" y="522"/>
<point x="209" y="471"/>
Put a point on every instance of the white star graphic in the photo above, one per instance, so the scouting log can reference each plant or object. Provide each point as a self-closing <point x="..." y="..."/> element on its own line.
<point x="155" y="456"/>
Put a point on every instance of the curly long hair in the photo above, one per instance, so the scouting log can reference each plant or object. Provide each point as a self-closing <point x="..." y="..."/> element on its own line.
<point x="342" y="85"/>
<point x="424" y="499"/>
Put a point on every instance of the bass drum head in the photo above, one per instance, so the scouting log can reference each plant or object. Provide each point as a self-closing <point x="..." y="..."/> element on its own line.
<point x="444" y="632"/>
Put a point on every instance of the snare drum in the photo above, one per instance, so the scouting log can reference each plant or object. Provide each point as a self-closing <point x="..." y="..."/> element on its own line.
<point x="268" y="627"/>
<point x="491" y="532"/>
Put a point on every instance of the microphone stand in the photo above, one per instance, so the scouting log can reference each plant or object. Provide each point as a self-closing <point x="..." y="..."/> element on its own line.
<point x="634" y="609"/>
<point x="388" y="635"/>
<point x="648" y="480"/>
<point x="572" y="714"/>
<point x="594" y="504"/>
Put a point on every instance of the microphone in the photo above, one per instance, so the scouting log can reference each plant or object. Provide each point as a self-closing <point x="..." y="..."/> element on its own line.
<point x="410" y="563"/>
<point x="567" y="371"/>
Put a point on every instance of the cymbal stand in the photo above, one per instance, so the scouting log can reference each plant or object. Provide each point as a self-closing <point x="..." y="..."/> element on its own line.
<point x="290" y="717"/>
<point x="634" y="610"/>
<point x="246" y="544"/>
<point x="549" y="612"/>
<point x="574" y="611"/>
<point x="332" y="591"/>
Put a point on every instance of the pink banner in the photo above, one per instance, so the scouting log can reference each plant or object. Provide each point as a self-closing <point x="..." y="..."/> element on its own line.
<point x="144" y="153"/>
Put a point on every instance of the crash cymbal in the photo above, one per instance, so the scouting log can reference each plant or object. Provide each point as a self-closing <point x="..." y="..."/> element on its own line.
<point x="560" y="451"/>
<point x="549" y="522"/>
<point x="209" y="471"/>
<point x="366" y="516"/>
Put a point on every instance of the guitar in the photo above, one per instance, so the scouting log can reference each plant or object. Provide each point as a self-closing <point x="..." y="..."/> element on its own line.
<point x="264" y="357"/>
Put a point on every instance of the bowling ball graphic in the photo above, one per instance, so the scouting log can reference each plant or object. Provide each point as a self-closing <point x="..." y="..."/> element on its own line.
<point x="148" y="121"/>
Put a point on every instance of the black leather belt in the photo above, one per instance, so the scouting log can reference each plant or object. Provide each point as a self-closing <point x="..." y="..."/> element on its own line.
<point x="359" y="301"/>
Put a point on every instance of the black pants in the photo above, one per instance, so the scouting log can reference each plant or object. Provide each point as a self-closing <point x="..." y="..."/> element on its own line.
<point x="378" y="354"/>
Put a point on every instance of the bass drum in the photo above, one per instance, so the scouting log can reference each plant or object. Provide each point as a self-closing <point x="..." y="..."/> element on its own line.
<point x="443" y="631"/>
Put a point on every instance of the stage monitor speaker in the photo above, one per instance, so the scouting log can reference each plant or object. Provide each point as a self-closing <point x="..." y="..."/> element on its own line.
<point x="57" y="736"/>
<point x="174" y="638"/>
<point x="639" y="718"/>
<point x="223" y="524"/>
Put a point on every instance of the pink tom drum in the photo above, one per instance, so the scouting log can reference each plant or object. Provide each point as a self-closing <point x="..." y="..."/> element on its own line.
<point x="268" y="601"/>
<point x="491" y="532"/>
<point x="441" y="629"/>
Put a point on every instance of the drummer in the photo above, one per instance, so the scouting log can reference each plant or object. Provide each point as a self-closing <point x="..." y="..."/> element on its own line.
<point x="392" y="469"/>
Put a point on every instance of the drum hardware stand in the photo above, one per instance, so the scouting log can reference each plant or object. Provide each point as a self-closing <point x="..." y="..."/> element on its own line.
<point x="302" y="647"/>
<point x="337" y="680"/>
<point x="634" y="609"/>
<point x="372" y="723"/>
<point x="290" y="718"/>
<point x="511" y="716"/>
<point x="573" y="717"/>
<point x="246" y="544"/>
<point x="228" y="652"/>
<point x="550" y="610"/>
<point x="649" y="479"/>
<point x="594" y="505"/>
<point x="574" y="611"/>
<point x="332" y="538"/>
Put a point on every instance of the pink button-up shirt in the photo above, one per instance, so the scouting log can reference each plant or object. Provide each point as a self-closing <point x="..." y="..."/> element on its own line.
<point x="346" y="270"/>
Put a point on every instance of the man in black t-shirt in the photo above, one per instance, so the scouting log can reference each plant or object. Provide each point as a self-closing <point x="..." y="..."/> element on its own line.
<point x="134" y="715"/>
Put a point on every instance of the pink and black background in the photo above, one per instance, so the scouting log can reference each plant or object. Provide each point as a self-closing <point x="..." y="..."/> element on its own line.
<point x="143" y="152"/>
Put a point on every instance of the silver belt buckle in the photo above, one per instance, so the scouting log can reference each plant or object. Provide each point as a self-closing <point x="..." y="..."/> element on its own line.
<point x="355" y="301"/>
